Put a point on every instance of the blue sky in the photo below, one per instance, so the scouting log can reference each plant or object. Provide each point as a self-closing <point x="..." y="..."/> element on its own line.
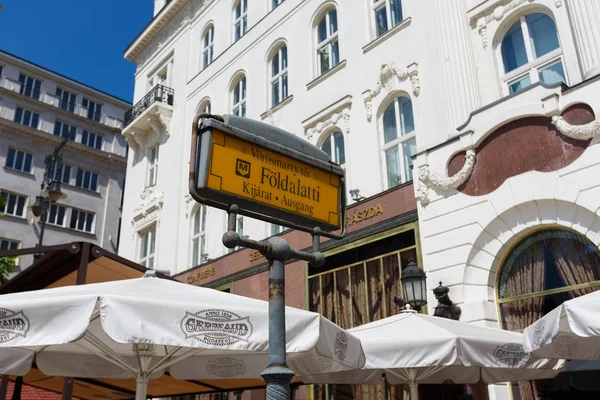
<point x="82" y="39"/>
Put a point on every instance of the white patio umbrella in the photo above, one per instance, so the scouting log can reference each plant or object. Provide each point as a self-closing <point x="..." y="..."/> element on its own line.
<point x="137" y="328"/>
<point x="413" y="348"/>
<point x="570" y="331"/>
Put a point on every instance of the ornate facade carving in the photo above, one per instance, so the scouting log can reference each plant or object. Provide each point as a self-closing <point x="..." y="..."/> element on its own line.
<point x="189" y="204"/>
<point x="149" y="197"/>
<point x="428" y="179"/>
<point x="339" y="117"/>
<point x="386" y="80"/>
<point x="578" y="132"/>
<point x="498" y="13"/>
<point x="140" y="135"/>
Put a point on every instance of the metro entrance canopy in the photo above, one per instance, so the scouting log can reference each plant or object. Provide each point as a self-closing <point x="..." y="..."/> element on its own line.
<point x="271" y="174"/>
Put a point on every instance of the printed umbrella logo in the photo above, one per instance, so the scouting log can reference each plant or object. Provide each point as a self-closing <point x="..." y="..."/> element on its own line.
<point x="216" y="327"/>
<point x="538" y="332"/>
<point x="226" y="367"/>
<point x="341" y="345"/>
<point x="512" y="354"/>
<point x="12" y="324"/>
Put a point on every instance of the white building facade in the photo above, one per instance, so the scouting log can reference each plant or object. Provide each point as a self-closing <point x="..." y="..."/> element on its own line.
<point x="38" y="108"/>
<point x="473" y="91"/>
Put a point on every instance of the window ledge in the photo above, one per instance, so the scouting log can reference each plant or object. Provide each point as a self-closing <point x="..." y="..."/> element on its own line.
<point x="29" y="175"/>
<point x="279" y="106"/>
<point x="386" y="35"/>
<point x="16" y="217"/>
<point x="325" y="75"/>
<point x="80" y="189"/>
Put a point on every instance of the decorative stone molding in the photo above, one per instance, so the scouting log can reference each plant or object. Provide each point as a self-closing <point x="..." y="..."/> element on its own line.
<point x="147" y="130"/>
<point x="428" y="179"/>
<point x="387" y="73"/>
<point x="330" y="120"/>
<point x="189" y="204"/>
<point x="577" y="132"/>
<point x="497" y="13"/>
<point x="149" y="197"/>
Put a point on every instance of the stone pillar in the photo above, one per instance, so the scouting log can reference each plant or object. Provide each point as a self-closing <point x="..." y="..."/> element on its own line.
<point x="457" y="61"/>
<point x="584" y="16"/>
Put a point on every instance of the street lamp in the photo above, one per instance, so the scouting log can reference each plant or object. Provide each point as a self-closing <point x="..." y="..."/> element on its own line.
<point x="50" y="189"/>
<point x="414" y="287"/>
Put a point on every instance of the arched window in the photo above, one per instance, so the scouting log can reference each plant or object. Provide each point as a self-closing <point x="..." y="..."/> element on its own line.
<point x="240" y="19"/>
<point x="239" y="98"/>
<point x="198" y="236"/>
<point x="531" y="52"/>
<point x="333" y="145"/>
<point x="539" y="274"/>
<point x="388" y="14"/>
<point x="205" y="107"/>
<point x="208" y="41"/>
<point x="328" y="52"/>
<point x="279" y="76"/>
<point x="399" y="141"/>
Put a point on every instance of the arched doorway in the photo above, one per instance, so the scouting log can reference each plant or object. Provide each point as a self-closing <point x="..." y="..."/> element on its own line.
<point x="540" y="272"/>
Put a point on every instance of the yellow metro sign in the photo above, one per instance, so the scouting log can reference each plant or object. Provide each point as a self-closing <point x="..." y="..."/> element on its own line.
<point x="235" y="169"/>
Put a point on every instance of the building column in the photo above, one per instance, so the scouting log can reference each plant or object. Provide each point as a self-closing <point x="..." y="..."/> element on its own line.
<point x="457" y="62"/>
<point x="584" y="16"/>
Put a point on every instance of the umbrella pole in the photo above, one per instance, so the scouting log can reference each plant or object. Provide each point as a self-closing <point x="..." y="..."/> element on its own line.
<point x="414" y="390"/>
<point x="141" y="388"/>
<point x="277" y="376"/>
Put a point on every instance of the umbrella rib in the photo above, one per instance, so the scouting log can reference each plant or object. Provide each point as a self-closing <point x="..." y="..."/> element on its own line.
<point x="107" y="353"/>
<point x="169" y="360"/>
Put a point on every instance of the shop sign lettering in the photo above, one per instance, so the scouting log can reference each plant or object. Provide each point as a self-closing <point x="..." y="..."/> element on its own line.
<point x="198" y="276"/>
<point x="363" y="214"/>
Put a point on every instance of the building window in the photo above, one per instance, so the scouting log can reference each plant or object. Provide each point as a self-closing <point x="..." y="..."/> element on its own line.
<point x="82" y="221"/>
<point x="87" y="180"/>
<point x="239" y="228"/>
<point x="64" y="130"/>
<point x="91" y="139"/>
<point x="239" y="98"/>
<point x="56" y="215"/>
<point x="7" y="244"/>
<point x="198" y="245"/>
<point x="66" y="99"/>
<point x="1" y="69"/>
<point x="63" y="173"/>
<point x="531" y="53"/>
<point x="30" y="87"/>
<point x="275" y="3"/>
<point x="279" y="76"/>
<point x="94" y="110"/>
<point x="152" y="166"/>
<point x="240" y="24"/>
<point x="13" y="204"/>
<point x="160" y="78"/>
<point x="388" y="14"/>
<point x="146" y="247"/>
<point x="328" y="51"/>
<point x="208" y="41"/>
<point x="276" y="229"/>
<point x="399" y="141"/>
<point x="334" y="147"/>
<point x="19" y="160"/>
<point x="26" y="117"/>
<point x="542" y="271"/>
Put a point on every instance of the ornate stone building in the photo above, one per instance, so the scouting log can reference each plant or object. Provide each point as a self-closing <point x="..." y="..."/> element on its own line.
<point x="491" y="99"/>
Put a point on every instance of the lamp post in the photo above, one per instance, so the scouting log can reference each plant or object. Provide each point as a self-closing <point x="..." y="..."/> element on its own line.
<point x="50" y="190"/>
<point x="414" y="287"/>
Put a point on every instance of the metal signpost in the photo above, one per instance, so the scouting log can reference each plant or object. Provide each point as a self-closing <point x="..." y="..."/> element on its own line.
<point x="253" y="169"/>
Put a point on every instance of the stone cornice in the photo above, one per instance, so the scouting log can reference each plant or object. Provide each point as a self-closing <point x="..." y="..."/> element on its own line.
<point x="47" y="137"/>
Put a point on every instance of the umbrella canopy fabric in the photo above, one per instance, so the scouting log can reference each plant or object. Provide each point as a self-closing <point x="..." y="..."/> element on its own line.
<point x="570" y="331"/>
<point x="416" y="348"/>
<point x="139" y="327"/>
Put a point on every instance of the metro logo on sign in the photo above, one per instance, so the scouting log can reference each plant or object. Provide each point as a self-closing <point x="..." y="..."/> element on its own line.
<point x="242" y="168"/>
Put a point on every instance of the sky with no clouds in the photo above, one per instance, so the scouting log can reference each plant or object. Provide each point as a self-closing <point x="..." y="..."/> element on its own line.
<point x="82" y="39"/>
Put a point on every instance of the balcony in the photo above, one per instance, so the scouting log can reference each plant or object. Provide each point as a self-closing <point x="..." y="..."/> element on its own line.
<point x="145" y="121"/>
<point x="55" y="101"/>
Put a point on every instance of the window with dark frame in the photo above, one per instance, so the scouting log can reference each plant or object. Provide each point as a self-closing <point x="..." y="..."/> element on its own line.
<point x="87" y="180"/>
<point x="30" y="87"/>
<point x="82" y="221"/>
<point x="64" y="130"/>
<point x="94" y="110"/>
<point x="67" y="100"/>
<point x="14" y="204"/>
<point x="19" y="160"/>
<point x="27" y="117"/>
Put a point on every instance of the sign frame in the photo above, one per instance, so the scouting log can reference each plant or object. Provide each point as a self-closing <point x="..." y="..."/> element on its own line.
<point x="263" y="136"/>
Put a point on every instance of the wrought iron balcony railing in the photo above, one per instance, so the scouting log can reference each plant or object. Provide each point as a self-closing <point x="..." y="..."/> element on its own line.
<point x="159" y="93"/>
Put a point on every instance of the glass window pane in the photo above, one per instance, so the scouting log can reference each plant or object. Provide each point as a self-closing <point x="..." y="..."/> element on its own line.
<point x="203" y="218"/>
<point x="338" y="140"/>
<point x="322" y="30"/>
<point x="324" y="58"/>
<point x="553" y="73"/>
<point x="275" y="92"/>
<point x="542" y="34"/>
<point x="333" y="22"/>
<point x="11" y="158"/>
<point x="243" y="83"/>
<point x="284" y="87"/>
<point x="243" y="110"/>
<point x="275" y="64"/>
<point x="390" y="131"/>
<point x="26" y="117"/>
<point x="284" y="60"/>
<point x="396" y="12"/>
<point x="35" y="118"/>
<point x="236" y="94"/>
<point x="326" y="147"/>
<point x="392" y="162"/>
<point x="513" y="48"/>
<point x="20" y="205"/>
<point x="73" y="223"/>
<point x="196" y="225"/>
<point x="238" y="10"/>
<point x="195" y="249"/>
<point x="406" y="115"/>
<point x="519" y="85"/>
<point x="19" y="160"/>
<point x="409" y="149"/>
<point x="94" y="185"/>
<point x="18" y="114"/>
<point x="335" y="53"/>
<point x="381" y="21"/>
<point x="88" y="222"/>
<point x="28" y="160"/>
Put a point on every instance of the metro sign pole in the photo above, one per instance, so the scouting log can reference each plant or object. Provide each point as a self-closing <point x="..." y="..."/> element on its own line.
<point x="249" y="168"/>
